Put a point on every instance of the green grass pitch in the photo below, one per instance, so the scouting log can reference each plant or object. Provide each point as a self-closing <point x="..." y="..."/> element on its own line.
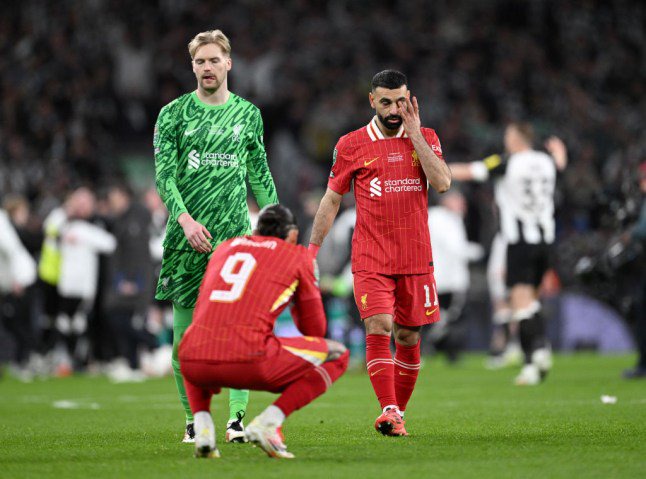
<point x="463" y="421"/>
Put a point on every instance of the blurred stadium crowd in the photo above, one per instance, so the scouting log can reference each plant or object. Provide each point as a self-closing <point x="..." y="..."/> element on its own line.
<point x="82" y="82"/>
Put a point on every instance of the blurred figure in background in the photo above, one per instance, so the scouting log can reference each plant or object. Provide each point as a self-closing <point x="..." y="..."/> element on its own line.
<point x="504" y="349"/>
<point x="17" y="273"/>
<point x="452" y="253"/>
<point x="637" y="235"/>
<point x="159" y="321"/>
<point x="81" y="243"/>
<point x="25" y="306"/>
<point x="49" y="271"/>
<point x="26" y="225"/>
<point x="129" y="282"/>
<point x="102" y="340"/>
<point x="525" y="198"/>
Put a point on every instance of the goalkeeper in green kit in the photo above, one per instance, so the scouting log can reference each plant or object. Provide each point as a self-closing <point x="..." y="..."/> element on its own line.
<point x="207" y="143"/>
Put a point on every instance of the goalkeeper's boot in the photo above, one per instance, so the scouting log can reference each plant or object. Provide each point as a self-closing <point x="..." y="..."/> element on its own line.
<point x="235" y="429"/>
<point x="269" y="438"/>
<point x="189" y="433"/>
<point x="205" y="446"/>
<point x="390" y="423"/>
<point x="529" y="376"/>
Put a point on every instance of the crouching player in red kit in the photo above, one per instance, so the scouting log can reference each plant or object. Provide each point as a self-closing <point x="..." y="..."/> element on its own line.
<point x="248" y="282"/>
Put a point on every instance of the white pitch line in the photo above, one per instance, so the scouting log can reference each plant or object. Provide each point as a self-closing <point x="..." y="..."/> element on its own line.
<point x="67" y="404"/>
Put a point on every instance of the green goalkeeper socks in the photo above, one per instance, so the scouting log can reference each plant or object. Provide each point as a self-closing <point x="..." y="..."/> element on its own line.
<point x="182" y="318"/>
<point x="238" y="400"/>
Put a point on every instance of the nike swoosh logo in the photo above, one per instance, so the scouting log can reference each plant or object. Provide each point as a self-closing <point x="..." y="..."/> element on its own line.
<point x="366" y="162"/>
<point x="190" y="132"/>
<point x="404" y="374"/>
<point x="428" y="313"/>
<point x="378" y="371"/>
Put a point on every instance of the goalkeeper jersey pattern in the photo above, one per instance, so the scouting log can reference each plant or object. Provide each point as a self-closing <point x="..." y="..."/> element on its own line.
<point x="180" y="276"/>
<point x="203" y="155"/>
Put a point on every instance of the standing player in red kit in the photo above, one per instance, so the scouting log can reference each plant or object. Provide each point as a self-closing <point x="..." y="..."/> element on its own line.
<point x="249" y="281"/>
<point x="389" y="162"/>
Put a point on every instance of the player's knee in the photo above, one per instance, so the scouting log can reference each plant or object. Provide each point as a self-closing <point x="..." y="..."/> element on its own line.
<point x="379" y="324"/>
<point x="407" y="337"/>
<point x="522" y="295"/>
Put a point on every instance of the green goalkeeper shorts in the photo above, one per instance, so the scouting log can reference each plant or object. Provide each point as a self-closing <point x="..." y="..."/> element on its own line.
<point x="181" y="275"/>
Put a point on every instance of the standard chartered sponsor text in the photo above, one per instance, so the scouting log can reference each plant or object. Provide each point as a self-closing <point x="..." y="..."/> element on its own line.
<point x="403" y="185"/>
<point x="219" y="159"/>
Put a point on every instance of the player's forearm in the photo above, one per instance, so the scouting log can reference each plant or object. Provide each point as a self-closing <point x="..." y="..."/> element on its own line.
<point x="436" y="171"/>
<point x="309" y="317"/>
<point x="325" y="216"/>
<point x="461" y="171"/>
<point x="560" y="160"/>
<point x="262" y="185"/>
<point x="170" y="195"/>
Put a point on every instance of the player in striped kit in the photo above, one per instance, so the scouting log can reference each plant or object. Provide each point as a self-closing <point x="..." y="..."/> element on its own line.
<point x="524" y="193"/>
<point x="389" y="162"/>
<point x="207" y="144"/>
<point x="249" y="281"/>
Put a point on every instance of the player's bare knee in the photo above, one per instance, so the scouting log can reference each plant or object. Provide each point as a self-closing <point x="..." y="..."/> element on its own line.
<point x="407" y="336"/>
<point x="521" y="296"/>
<point x="379" y="324"/>
<point x="335" y="350"/>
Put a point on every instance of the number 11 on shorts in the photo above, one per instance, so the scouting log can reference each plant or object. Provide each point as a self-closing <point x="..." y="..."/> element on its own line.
<point x="427" y="292"/>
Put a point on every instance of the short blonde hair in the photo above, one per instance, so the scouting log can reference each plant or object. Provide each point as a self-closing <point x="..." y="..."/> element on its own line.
<point x="525" y="130"/>
<point x="211" y="36"/>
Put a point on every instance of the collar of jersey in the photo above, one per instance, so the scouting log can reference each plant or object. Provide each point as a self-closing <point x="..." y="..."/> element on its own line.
<point x="375" y="133"/>
<point x="200" y="103"/>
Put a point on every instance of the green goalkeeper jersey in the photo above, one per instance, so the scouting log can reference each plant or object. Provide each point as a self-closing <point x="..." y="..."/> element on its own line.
<point x="203" y="155"/>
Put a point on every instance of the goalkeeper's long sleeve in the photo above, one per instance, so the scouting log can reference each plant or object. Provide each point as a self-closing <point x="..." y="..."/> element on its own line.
<point x="260" y="179"/>
<point x="166" y="163"/>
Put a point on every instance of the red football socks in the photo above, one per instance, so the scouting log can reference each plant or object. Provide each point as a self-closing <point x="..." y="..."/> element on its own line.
<point x="407" y="364"/>
<point x="312" y="385"/>
<point x="198" y="398"/>
<point x="380" y="368"/>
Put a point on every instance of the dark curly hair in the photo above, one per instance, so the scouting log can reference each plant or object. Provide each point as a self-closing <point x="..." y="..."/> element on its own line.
<point x="276" y="220"/>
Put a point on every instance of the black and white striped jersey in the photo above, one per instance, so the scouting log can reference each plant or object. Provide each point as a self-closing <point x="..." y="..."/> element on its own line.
<point x="524" y="193"/>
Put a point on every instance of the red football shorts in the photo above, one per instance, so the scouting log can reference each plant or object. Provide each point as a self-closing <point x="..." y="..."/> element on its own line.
<point x="286" y="361"/>
<point x="410" y="298"/>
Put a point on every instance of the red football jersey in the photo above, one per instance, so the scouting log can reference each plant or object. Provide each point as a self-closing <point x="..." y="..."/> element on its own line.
<point x="248" y="282"/>
<point x="391" y="234"/>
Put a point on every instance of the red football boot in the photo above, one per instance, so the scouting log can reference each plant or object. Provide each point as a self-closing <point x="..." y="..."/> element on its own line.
<point x="390" y="423"/>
